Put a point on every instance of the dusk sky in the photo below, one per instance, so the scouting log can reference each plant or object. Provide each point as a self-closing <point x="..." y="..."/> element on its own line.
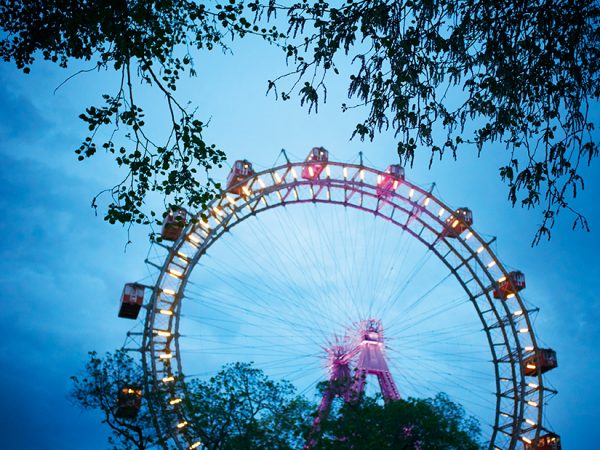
<point x="63" y="267"/>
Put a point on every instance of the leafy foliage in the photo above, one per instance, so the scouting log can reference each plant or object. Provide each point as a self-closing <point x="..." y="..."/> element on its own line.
<point x="441" y="74"/>
<point x="424" y="424"/>
<point x="240" y="408"/>
<point x="98" y="388"/>
<point x="147" y="42"/>
<point x="516" y="75"/>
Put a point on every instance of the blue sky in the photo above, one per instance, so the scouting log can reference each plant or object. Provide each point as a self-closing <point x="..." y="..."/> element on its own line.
<point x="63" y="267"/>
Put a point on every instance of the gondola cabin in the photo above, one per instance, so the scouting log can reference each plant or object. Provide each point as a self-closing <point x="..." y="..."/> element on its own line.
<point x="129" y="401"/>
<point x="316" y="161"/>
<point x="510" y="285"/>
<point x="388" y="181"/>
<point x="549" y="441"/>
<point x="458" y="222"/>
<point x="132" y="300"/>
<point x="241" y="170"/>
<point x="543" y="360"/>
<point x="173" y="225"/>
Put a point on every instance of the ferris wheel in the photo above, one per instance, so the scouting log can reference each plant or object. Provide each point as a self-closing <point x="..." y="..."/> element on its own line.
<point x="341" y="270"/>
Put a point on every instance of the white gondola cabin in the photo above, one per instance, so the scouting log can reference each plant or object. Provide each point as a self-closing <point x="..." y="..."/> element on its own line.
<point x="316" y="162"/>
<point x="241" y="170"/>
<point x="129" y="402"/>
<point x="390" y="180"/>
<point x="132" y="300"/>
<point x="173" y="224"/>
<point x="510" y="285"/>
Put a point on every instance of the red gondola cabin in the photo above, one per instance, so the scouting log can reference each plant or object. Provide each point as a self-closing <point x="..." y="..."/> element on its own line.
<point x="241" y="170"/>
<point x="173" y="225"/>
<point x="549" y="441"/>
<point x="132" y="300"/>
<point x="543" y="360"/>
<point x="510" y="285"/>
<point x="389" y="181"/>
<point x="458" y="222"/>
<point x="316" y="162"/>
<point x="129" y="402"/>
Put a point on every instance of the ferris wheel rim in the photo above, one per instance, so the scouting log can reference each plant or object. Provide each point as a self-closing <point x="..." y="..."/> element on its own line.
<point x="151" y="362"/>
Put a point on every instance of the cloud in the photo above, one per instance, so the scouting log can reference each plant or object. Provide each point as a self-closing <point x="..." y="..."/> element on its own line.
<point x="20" y="120"/>
<point x="61" y="284"/>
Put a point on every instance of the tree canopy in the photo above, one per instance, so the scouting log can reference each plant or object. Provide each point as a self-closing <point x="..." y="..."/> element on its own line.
<point x="97" y="389"/>
<point x="424" y="424"/>
<point x="241" y="408"/>
<point x="442" y="75"/>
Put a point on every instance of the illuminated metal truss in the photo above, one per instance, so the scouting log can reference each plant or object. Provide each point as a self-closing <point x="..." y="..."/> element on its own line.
<point x="468" y="256"/>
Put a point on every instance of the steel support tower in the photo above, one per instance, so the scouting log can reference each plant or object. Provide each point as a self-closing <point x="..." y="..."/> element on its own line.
<point x="367" y="350"/>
